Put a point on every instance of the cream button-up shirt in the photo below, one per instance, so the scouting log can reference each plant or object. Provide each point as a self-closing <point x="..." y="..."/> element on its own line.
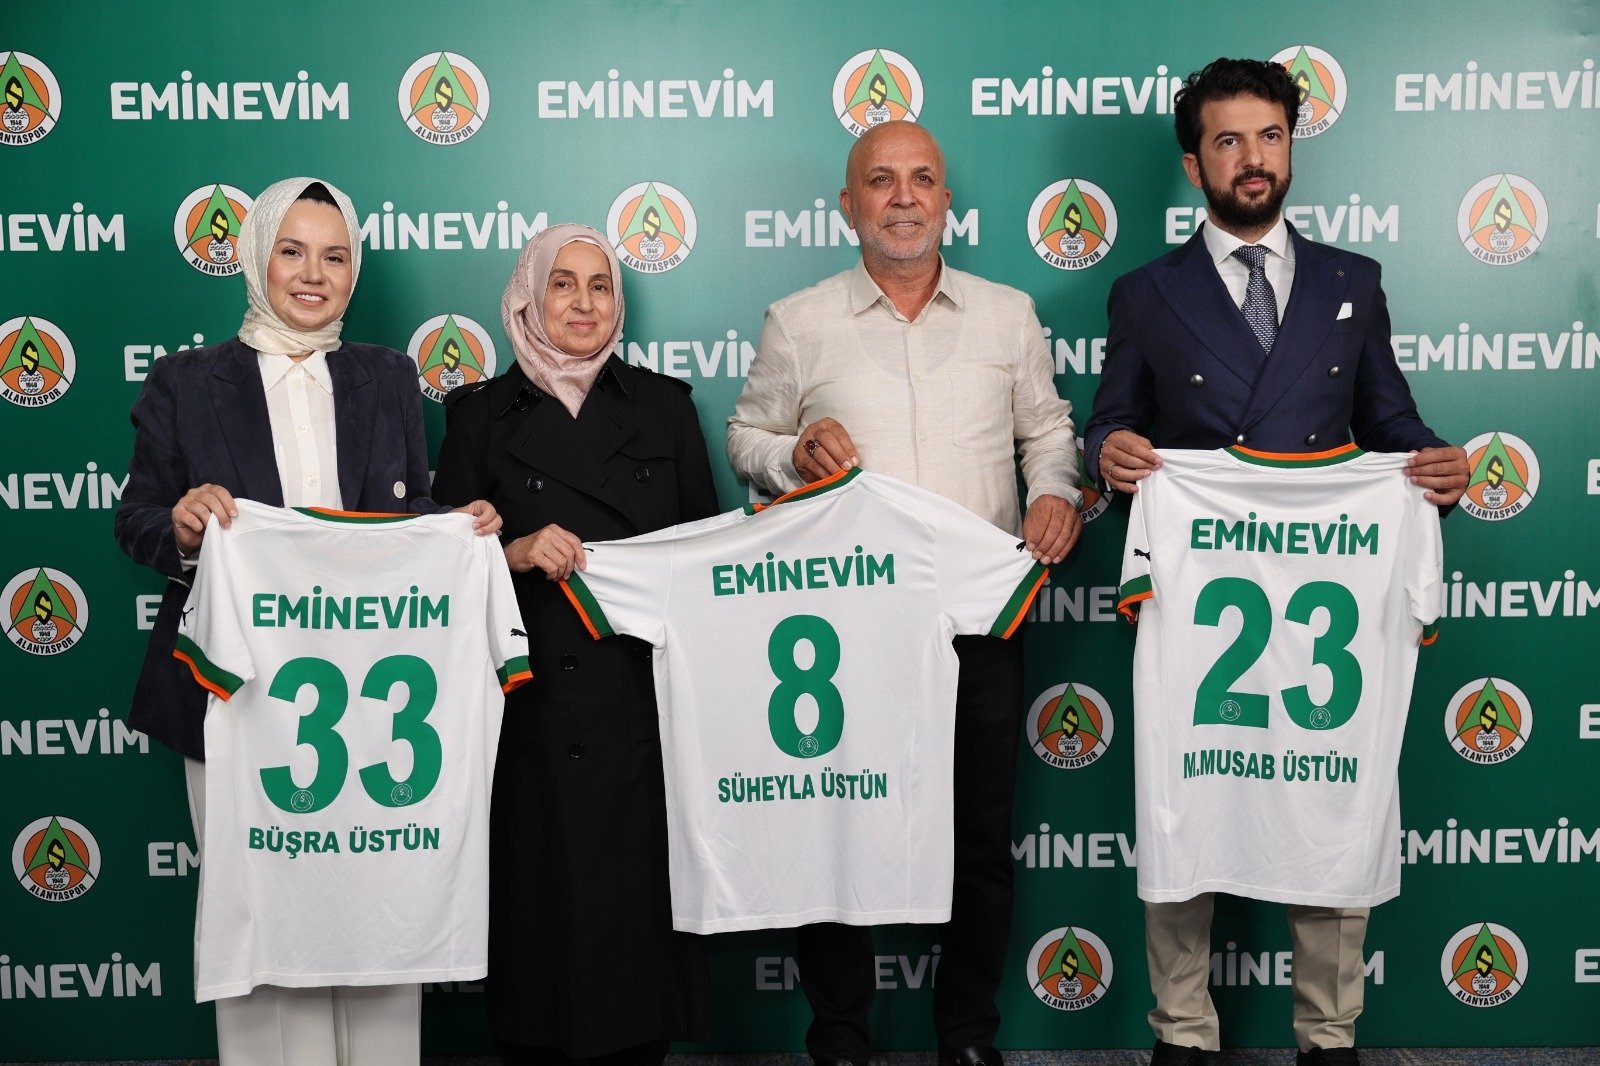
<point x="300" y="411"/>
<point x="947" y="401"/>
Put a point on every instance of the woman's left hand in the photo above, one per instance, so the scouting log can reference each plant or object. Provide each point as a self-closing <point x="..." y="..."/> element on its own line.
<point x="487" y="520"/>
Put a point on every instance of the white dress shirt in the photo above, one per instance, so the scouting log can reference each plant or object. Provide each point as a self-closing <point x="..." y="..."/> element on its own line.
<point x="300" y="408"/>
<point x="1235" y="274"/>
<point x="946" y="401"/>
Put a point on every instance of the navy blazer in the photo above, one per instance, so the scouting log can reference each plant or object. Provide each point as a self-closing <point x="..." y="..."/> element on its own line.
<point x="201" y="418"/>
<point x="1183" y="368"/>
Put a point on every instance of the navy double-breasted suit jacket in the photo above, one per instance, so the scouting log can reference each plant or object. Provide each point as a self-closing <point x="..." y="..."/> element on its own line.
<point x="1183" y="368"/>
<point x="202" y="419"/>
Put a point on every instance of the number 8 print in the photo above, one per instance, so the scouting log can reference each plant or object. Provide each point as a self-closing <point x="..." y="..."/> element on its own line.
<point x="794" y="681"/>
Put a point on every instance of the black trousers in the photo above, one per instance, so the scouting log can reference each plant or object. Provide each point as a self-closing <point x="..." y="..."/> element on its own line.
<point x="836" y="961"/>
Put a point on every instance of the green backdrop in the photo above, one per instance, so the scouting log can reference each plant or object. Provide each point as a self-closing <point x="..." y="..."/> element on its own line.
<point x="1454" y="143"/>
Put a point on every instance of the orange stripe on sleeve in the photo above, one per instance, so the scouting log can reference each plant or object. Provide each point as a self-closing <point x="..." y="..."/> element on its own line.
<point x="1127" y="609"/>
<point x="216" y="690"/>
<point x="572" y="598"/>
<point x="517" y="680"/>
<point x="1027" y="601"/>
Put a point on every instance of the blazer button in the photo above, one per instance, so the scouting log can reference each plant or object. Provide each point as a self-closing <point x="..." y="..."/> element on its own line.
<point x="1333" y="371"/>
<point x="1196" y="380"/>
<point x="576" y="750"/>
<point x="569" y="662"/>
<point x="1239" y="439"/>
<point x="1311" y="439"/>
<point x="536" y="484"/>
<point x="641" y="474"/>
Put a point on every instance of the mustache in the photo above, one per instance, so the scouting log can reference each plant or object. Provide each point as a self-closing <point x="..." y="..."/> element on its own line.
<point x="1255" y="174"/>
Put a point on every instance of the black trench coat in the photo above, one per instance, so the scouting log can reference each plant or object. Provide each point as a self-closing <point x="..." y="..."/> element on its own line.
<point x="582" y="955"/>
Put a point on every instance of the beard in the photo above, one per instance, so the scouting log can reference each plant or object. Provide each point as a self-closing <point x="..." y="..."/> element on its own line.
<point x="1232" y="211"/>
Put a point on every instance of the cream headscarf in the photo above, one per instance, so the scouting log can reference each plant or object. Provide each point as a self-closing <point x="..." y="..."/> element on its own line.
<point x="564" y="376"/>
<point x="263" y="330"/>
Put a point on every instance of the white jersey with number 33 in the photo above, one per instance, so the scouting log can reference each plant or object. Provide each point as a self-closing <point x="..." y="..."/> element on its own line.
<point x="356" y="665"/>
<point x="1281" y="600"/>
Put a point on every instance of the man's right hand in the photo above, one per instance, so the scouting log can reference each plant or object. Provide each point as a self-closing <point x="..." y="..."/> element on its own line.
<point x="824" y="448"/>
<point x="190" y="514"/>
<point x="1126" y="459"/>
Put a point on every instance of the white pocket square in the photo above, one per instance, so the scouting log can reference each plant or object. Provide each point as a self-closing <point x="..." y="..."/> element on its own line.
<point x="1344" y="311"/>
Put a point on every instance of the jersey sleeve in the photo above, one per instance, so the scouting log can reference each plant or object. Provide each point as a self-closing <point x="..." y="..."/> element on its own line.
<point x="508" y="642"/>
<point x="986" y="579"/>
<point x="211" y="631"/>
<point x="1136" y="585"/>
<point x="625" y="588"/>
<point x="1424" y="567"/>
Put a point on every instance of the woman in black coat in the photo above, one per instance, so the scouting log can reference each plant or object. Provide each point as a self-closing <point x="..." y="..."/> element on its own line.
<point x="574" y="445"/>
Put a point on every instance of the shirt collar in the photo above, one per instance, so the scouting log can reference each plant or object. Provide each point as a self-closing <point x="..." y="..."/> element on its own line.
<point x="1221" y="244"/>
<point x="864" y="292"/>
<point x="274" y="367"/>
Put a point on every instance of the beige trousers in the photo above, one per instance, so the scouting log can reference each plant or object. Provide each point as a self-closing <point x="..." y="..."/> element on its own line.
<point x="341" y="1025"/>
<point x="1327" y="982"/>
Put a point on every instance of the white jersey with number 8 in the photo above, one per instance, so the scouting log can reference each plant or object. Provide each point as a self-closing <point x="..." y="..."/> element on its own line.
<point x="806" y="687"/>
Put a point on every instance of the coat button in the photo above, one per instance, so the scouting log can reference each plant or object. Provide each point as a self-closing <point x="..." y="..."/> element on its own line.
<point x="1196" y="380"/>
<point x="1311" y="439"/>
<point x="536" y="484"/>
<point x="576" y="750"/>
<point x="1239" y="439"/>
<point x="1333" y="371"/>
<point x="641" y="474"/>
<point x="569" y="662"/>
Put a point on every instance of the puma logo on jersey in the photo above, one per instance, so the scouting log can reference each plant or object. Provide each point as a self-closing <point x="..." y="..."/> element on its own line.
<point x="1142" y="555"/>
<point x="519" y="633"/>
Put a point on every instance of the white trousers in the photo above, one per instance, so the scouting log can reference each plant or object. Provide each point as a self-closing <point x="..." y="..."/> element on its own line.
<point x="341" y="1025"/>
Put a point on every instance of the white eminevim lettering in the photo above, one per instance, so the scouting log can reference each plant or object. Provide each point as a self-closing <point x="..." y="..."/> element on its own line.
<point x="79" y="232"/>
<point x="190" y="101"/>
<point x="824" y="227"/>
<point x="1511" y="90"/>
<point x="102" y="735"/>
<point x="88" y="488"/>
<point x="1569" y="349"/>
<point x="69" y="980"/>
<point x="1050" y="94"/>
<point x="728" y="358"/>
<point x="1082" y="604"/>
<point x="617" y="97"/>
<point x="501" y="228"/>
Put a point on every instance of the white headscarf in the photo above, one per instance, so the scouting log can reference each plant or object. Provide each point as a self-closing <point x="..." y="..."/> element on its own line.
<point x="263" y="330"/>
<point x="566" y="377"/>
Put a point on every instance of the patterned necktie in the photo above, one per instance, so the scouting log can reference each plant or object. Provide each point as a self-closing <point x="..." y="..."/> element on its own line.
<point x="1260" y="305"/>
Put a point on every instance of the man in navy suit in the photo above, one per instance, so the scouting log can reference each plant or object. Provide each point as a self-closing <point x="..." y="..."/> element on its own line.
<point x="1250" y="334"/>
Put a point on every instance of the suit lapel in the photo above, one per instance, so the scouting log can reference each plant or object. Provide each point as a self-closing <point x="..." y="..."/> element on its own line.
<point x="1319" y="287"/>
<point x="241" y="407"/>
<point x="1193" y="289"/>
<point x="354" y="414"/>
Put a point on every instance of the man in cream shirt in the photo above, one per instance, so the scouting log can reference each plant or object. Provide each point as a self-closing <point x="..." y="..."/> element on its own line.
<point x="913" y="369"/>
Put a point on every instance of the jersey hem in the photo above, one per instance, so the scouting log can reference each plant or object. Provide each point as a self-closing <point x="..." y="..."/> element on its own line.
<point x="323" y="980"/>
<point x="819" y="914"/>
<point x="1270" y="895"/>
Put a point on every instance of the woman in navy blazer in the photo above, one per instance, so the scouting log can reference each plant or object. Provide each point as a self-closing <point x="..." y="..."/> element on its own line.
<point x="286" y="413"/>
